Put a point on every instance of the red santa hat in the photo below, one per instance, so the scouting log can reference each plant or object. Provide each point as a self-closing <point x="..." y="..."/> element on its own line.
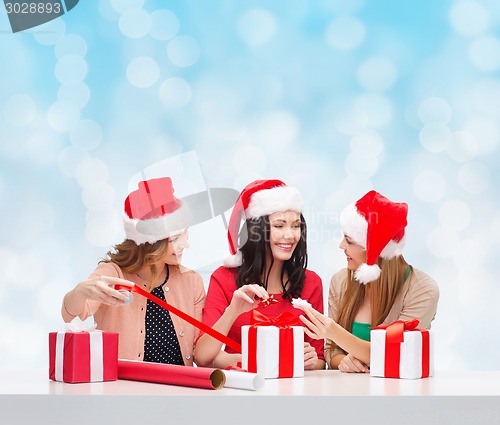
<point x="153" y="213"/>
<point x="257" y="199"/>
<point x="378" y="225"/>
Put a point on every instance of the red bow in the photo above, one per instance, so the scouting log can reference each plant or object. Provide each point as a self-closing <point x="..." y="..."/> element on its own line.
<point x="282" y="321"/>
<point x="394" y="333"/>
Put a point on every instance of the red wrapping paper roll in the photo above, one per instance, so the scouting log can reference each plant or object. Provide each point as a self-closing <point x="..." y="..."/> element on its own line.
<point x="160" y="373"/>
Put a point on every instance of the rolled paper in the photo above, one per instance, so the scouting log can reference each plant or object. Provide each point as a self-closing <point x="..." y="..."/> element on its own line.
<point x="161" y="373"/>
<point x="243" y="380"/>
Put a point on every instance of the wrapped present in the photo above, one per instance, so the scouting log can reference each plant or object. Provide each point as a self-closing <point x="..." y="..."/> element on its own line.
<point x="83" y="354"/>
<point x="401" y="350"/>
<point x="273" y="348"/>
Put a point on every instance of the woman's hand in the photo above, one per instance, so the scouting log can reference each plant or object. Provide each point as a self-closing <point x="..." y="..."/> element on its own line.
<point x="101" y="289"/>
<point x="310" y="356"/>
<point x="247" y="298"/>
<point x="318" y="326"/>
<point x="351" y="364"/>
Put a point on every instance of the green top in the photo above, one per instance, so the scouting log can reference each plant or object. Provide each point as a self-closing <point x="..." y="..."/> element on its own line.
<point x="362" y="330"/>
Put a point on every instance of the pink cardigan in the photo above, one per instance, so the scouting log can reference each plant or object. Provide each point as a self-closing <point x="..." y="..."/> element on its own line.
<point x="184" y="290"/>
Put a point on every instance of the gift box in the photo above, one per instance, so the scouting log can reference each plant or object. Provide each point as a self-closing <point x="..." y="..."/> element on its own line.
<point x="273" y="348"/>
<point x="401" y="350"/>
<point x="83" y="356"/>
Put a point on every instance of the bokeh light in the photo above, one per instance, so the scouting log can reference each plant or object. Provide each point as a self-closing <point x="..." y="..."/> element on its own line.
<point x="86" y="135"/>
<point x="441" y="242"/>
<point x="19" y="109"/>
<point x="256" y="26"/>
<point x="135" y="23"/>
<point x="63" y="116"/>
<point x="474" y="177"/>
<point x="455" y="215"/>
<point x="429" y="186"/>
<point x="143" y="72"/>
<point x="377" y="74"/>
<point x="345" y="33"/>
<point x="164" y="25"/>
<point x="484" y="53"/>
<point x="78" y="93"/>
<point x="183" y="51"/>
<point x="435" y="137"/>
<point x="71" y="44"/>
<point x="469" y="17"/>
<point x="464" y="146"/>
<point x="175" y="93"/>
<point x="71" y="69"/>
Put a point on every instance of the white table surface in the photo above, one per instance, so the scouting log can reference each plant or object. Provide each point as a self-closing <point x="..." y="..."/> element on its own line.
<point x="317" y="383"/>
<point x="447" y="397"/>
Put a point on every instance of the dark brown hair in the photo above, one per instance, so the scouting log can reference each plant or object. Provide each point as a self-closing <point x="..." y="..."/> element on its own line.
<point x="257" y="249"/>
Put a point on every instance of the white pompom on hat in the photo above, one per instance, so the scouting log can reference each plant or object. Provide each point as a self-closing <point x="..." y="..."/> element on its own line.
<point x="257" y="199"/>
<point x="153" y="213"/>
<point x="378" y="225"/>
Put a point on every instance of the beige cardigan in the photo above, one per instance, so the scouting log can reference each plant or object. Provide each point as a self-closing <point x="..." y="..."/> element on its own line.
<point x="417" y="299"/>
<point x="184" y="290"/>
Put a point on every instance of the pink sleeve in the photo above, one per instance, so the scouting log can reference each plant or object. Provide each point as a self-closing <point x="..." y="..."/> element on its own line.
<point x="200" y="298"/>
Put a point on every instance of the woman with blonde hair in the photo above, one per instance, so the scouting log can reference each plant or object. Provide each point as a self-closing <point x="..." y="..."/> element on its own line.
<point x="155" y="224"/>
<point x="378" y="286"/>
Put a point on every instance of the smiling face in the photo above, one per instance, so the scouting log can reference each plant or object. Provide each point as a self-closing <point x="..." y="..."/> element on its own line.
<point x="284" y="234"/>
<point x="356" y="254"/>
<point x="176" y="244"/>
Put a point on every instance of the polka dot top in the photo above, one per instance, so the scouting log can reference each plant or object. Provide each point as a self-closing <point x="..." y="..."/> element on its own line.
<point x="161" y="344"/>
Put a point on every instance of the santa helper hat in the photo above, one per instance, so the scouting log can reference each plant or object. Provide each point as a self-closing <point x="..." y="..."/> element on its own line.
<point x="378" y="225"/>
<point x="257" y="199"/>
<point x="153" y="213"/>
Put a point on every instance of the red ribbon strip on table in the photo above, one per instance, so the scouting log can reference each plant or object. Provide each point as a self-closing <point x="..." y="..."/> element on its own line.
<point x="284" y="321"/>
<point x="196" y="323"/>
<point x="393" y="339"/>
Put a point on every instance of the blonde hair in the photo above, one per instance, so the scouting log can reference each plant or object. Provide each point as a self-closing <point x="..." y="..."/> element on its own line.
<point x="383" y="292"/>
<point x="131" y="257"/>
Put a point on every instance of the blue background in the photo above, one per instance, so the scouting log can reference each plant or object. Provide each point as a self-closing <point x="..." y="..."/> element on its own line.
<point x="333" y="97"/>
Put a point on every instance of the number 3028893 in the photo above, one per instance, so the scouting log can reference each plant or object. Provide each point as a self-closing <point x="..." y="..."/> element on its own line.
<point x="32" y="8"/>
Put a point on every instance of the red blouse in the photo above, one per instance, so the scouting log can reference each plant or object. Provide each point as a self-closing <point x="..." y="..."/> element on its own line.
<point x="220" y="292"/>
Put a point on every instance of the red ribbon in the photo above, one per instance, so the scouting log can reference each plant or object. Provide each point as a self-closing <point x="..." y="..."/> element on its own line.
<point x="196" y="323"/>
<point x="393" y="339"/>
<point x="284" y="321"/>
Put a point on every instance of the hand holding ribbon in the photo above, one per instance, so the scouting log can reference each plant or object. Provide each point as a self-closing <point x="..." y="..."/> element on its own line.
<point x="191" y="320"/>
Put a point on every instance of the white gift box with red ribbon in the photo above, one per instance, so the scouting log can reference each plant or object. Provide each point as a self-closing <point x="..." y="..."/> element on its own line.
<point x="273" y="348"/>
<point x="401" y="350"/>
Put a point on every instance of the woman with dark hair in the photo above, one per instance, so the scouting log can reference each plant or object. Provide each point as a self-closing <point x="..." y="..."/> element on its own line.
<point x="155" y="224"/>
<point x="378" y="287"/>
<point x="265" y="273"/>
